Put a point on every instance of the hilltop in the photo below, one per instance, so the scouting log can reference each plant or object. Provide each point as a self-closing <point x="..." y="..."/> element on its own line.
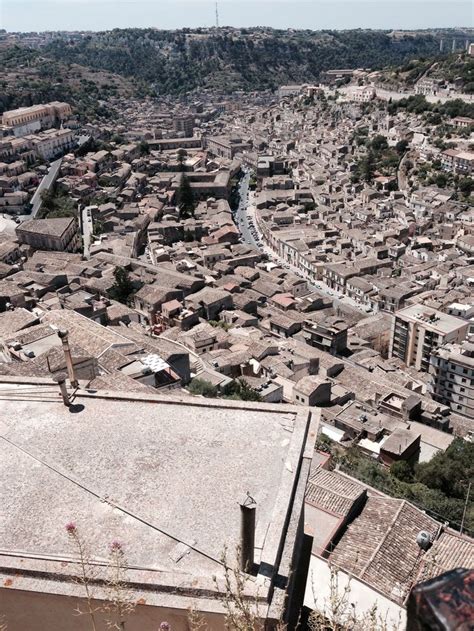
<point x="250" y="59"/>
<point x="31" y="76"/>
<point x="455" y="69"/>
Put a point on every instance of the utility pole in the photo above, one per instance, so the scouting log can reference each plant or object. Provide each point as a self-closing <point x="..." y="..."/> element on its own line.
<point x="217" y="15"/>
<point x="465" y="506"/>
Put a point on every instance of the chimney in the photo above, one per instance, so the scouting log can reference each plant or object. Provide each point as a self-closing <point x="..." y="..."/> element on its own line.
<point x="61" y="380"/>
<point x="247" y="533"/>
<point x="63" y="335"/>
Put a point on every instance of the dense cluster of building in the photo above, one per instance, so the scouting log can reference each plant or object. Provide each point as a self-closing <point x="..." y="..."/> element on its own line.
<point x="230" y="242"/>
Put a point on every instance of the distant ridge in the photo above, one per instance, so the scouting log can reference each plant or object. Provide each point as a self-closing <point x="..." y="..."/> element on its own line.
<point x="229" y="59"/>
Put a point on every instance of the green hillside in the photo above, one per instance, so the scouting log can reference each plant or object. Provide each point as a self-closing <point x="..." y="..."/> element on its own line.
<point x="251" y="59"/>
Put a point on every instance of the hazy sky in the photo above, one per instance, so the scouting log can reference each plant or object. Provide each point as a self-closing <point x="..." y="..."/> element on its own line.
<point x="37" y="15"/>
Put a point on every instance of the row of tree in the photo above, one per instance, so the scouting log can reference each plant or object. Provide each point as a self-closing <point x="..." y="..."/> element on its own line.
<point x="439" y="486"/>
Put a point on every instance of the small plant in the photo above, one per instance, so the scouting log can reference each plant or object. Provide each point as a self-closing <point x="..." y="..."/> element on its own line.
<point x="337" y="613"/>
<point x="120" y="603"/>
<point x="87" y="575"/>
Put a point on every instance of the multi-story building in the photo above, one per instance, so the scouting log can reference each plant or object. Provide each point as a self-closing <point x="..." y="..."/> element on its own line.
<point x="417" y="331"/>
<point x="458" y="161"/>
<point x="289" y="90"/>
<point x="26" y="120"/>
<point x="52" y="143"/>
<point x="329" y="335"/>
<point x="226" y="147"/>
<point x="463" y="121"/>
<point x="50" y="234"/>
<point x="452" y="377"/>
<point x="184" y="125"/>
<point x="426" y="87"/>
<point x="463" y="311"/>
<point x="336" y="275"/>
<point x="169" y="144"/>
<point x="364" y="94"/>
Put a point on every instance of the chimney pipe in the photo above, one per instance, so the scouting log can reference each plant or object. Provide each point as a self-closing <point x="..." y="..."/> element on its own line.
<point x="247" y="533"/>
<point x="63" y="335"/>
<point x="61" y="380"/>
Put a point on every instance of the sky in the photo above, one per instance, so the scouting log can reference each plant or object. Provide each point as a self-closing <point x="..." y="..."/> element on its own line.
<point x="41" y="15"/>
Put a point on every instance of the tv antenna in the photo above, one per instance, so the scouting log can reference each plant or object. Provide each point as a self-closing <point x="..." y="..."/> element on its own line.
<point x="217" y="15"/>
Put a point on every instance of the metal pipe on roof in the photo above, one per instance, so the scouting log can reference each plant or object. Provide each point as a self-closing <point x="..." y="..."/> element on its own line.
<point x="61" y="380"/>
<point x="247" y="533"/>
<point x="63" y="335"/>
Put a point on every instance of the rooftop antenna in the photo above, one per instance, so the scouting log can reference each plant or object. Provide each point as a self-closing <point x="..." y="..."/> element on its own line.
<point x="217" y="15"/>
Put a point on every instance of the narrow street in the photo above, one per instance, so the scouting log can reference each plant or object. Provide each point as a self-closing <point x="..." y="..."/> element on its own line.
<point x="246" y="222"/>
<point x="402" y="179"/>
<point x="45" y="185"/>
<point x="87" y="228"/>
<point x="241" y="214"/>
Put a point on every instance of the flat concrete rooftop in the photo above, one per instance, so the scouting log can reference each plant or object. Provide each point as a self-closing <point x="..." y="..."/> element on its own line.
<point x="431" y="319"/>
<point x="164" y="476"/>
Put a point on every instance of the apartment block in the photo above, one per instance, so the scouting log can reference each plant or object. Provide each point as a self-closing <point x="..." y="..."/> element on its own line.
<point x="452" y="377"/>
<point x="184" y="125"/>
<point x="458" y="161"/>
<point x="417" y="331"/>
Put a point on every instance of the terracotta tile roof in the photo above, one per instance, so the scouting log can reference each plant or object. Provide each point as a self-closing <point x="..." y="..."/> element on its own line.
<point x="394" y="564"/>
<point x="332" y="492"/>
<point x="380" y="547"/>
<point x="449" y="551"/>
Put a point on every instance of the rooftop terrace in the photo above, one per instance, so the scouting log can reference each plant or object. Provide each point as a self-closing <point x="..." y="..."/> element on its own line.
<point x="164" y="476"/>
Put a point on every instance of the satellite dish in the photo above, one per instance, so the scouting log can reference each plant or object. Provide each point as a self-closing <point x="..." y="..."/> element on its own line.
<point x="423" y="539"/>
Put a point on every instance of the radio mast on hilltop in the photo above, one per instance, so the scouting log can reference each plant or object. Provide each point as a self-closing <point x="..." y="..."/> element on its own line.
<point x="217" y="15"/>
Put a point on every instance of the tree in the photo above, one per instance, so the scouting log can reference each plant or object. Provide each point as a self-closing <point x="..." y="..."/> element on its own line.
<point x="241" y="391"/>
<point x="392" y="185"/>
<point x="185" y="198"/>
<point x="54" y="204"/>
<point x="448" y="471"/>
<point x="123" y="289"/>
<point x="441" y="180"/>
<point x="368" y="167"/>
<point x="144" y="148"/>
<point x="466" y="186"/>
<point x="181" y="155"/>
<point x="379" y="143"/>
<point x="402" y="470"/>
<point x="438" y="486"/>
<point x="401" y="146"/>
<point x="203" y="388"/>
